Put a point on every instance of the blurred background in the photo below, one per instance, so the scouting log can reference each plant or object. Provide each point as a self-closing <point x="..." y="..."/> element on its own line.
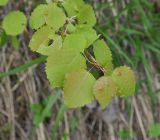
<point x="31" y="110"/>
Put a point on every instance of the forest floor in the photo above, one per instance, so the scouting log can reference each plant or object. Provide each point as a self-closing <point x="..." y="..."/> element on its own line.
<point x="131" y="29"/>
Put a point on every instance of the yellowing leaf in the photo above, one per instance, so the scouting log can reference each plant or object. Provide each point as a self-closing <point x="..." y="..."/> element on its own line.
<point x="103" y="55"/>
<point x="14" y="23"/>
<point x="78" y="88"/>
<point x="37" y="17"/>
<point x="75" y="41"/>
<point x="54" y="16"/>
<point x="72" y="6"/>
<point x="125" y="79"/>
<point x="104" y="89"/>
<point x="44" y="40"/>
<point x="3" y="2"/>
<point x="61" y="62"/>
<point x="86" y="16"/>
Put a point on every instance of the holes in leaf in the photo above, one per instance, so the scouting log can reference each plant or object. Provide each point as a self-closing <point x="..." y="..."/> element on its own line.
<point x="50" y="42"/>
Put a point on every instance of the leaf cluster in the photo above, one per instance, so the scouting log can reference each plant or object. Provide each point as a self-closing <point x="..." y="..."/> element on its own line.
<point x="64" y="32"/>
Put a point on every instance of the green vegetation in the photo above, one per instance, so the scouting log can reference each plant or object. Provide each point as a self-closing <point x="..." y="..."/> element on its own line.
<point x="67" y="53"/>
<point x="154" y="130"/>
<point x="14" y="28"/>
<point x="121" y="33"/>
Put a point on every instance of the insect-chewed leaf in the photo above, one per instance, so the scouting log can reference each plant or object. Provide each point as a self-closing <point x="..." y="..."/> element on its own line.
<point x="89" y="33"/>
<point x="86" y="16"/>
<point x="61" y="62"/>
<point x="72" y="6"/>
<point x="125" y="79"/>
<point x="104" y="89"/>
<point x="3" y="2"/>
<point x="78" y="88"/>
<point x="44" y="40"/>
<point x="54" y="16"/>
<point x="75" y="41"/>
<point x="37" y="17"/>
<point x="103" y="55"/>
<point x="17" y="27"/>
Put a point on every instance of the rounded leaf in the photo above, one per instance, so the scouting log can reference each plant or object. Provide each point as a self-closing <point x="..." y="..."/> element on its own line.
<point x="104" y="89"/>
<point x="37" y="17"/>
<point x="14" y="23"/>
<point x="88" y="32"/>
<point x="44" y="40"/>
<point x="75" y="41"/>
<point x="72" y="6"/>
<point x="125" y="79"/>
<point x="54" y="16"/>
<point x="78" y="88"/>
<point x="103" y="55"/>
<point x="60" y="62"/>
<point x="86" y="16"/>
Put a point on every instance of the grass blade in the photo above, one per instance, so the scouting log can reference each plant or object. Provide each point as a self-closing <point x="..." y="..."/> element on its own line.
<point x="23" y="67"/>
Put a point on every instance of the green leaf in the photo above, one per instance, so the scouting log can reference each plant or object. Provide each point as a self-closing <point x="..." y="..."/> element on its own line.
<point x="36" y="108"/>
<point x="54" y="42"/>
<point x="3" y="2"/>
<point x="54" y="16"/>
<point x="104" y="89"/>
<point x="86" y="16"/>
<point x="75" y="41"/>
<point x="89" y="33"/>
<point x="3" y="38"/>
<point x="72" y="6"/>
<point x="14" y="23"/>
<point x="44" y="40"/>
<point x="49" y="1"/>
<point x="108" y="68"/>
<point x="125" y="79"/>
<point x="103" y="55"/>
<point x="37" y="119"/>
<point x="15" y="42"/>
<point x="102" y="52"/>
<point x="37" y="17"/>
<point x="126" y="133"/>
<point x="78" y="88"/>
<point x="61" y="62"/>
<point x="70" y="28"/>
<point x="154" y="130"/>
<point x="42" y="112"/>
<point x="51" y="101"/>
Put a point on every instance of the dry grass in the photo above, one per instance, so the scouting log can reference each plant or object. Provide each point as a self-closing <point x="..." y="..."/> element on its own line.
<point x="20" y="91"/>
